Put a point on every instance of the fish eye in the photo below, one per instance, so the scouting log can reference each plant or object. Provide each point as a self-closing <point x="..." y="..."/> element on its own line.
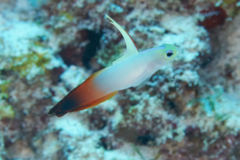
<point x="169" y="53"/>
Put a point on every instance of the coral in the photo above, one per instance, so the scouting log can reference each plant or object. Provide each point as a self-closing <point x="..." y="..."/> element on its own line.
<point x="213" y="16"/>
<point x="73" y="76"/>
<point x="187" y="110"/>
<point x="24" y="51"/>
<point x="30" y="64"/>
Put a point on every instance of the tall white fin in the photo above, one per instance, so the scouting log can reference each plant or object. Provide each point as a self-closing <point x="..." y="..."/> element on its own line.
<point x="131" y="47"/>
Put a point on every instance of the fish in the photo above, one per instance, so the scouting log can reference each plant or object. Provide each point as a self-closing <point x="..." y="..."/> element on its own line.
<point x="130" y="70"/>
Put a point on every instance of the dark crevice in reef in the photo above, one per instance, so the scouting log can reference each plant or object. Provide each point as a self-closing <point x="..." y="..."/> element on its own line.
<point x="75" y="54"/>
<point x="146" y="139"/>
<point x="91" y="48"/>
<point x="98" y="119"/>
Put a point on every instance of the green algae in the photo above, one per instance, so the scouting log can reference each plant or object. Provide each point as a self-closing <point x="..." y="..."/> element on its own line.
<point x="138" y="152"/>
<point x="67" y="15"/>
<point x="207" y="103"/>
<point x="210" y="104"/>
<point x="6" y="111"/>
<point x="231" y="7"/>
<point x="228" y="2"/>
<point x="3" y="88"/>
<point x="24" y="64"/>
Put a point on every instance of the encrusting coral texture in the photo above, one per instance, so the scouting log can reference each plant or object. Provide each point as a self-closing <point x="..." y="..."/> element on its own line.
<point x="187" y="110"/>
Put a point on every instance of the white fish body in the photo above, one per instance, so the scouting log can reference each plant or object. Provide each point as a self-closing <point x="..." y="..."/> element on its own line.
<point x="128" y="71"/>
<point x="135" y="67"/>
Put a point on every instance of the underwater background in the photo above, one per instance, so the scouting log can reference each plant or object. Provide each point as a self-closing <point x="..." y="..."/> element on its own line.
<point x="188" y="110"/>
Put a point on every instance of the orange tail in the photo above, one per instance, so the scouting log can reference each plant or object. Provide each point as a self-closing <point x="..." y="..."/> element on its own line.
<point x="61" y="110"/>
<point x="82" y="97"/>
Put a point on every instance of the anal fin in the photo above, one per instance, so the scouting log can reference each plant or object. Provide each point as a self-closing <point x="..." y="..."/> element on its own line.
<point x="96" y="102"/>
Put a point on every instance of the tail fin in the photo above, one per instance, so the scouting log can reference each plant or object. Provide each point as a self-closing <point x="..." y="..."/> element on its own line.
<point x="86" y="95"/>
<point x="61" y="109"/>
<point x="57" y="111"/>
<point x="96" y="102"/>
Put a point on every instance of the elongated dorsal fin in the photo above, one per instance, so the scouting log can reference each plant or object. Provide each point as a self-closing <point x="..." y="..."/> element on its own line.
<point x="131" y="47"/>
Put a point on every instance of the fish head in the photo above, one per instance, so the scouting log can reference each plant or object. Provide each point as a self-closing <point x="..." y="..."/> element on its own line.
<point x="167" y="52"/>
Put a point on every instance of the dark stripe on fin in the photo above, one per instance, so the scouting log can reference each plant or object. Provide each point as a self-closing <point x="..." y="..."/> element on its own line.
<point x="60" y="114"/>
<point x="61" y="108"/>
<point x="55" y="110"/>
